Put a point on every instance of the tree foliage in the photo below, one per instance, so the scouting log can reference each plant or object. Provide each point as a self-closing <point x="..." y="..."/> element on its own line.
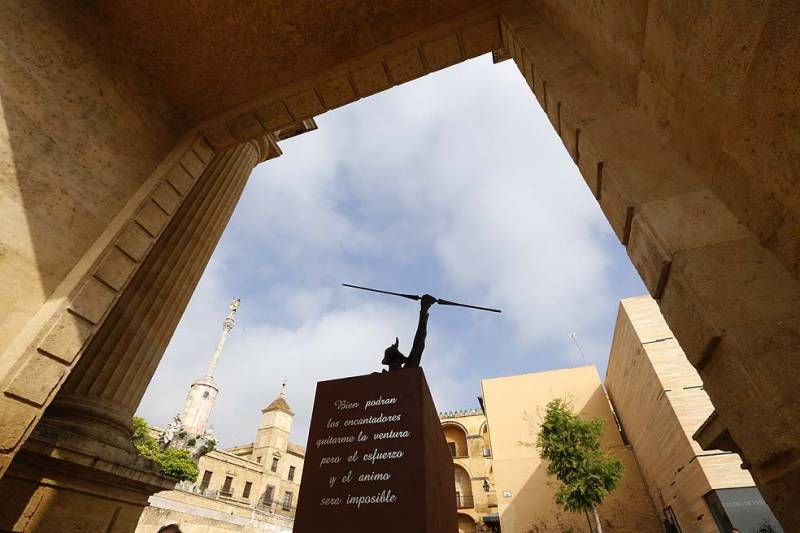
<point x="575" y="457"/>
<point x="179" y="464"/>
<point x="172" y="462"/>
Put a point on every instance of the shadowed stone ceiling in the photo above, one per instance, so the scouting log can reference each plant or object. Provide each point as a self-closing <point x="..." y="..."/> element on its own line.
<point x="209" y="56"/>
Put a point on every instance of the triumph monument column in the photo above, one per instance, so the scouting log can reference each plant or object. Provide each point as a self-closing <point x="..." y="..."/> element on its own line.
<point x="203" y="392"/>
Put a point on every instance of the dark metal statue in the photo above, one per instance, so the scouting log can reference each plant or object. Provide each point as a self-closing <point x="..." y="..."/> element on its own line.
<point x="393" y="357"/>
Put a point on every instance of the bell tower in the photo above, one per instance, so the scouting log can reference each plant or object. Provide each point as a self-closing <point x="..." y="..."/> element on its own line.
<point x="203" y="392"/>
<point x="272" y="436"/>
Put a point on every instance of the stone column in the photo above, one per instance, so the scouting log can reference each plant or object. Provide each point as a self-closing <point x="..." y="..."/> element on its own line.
<point x="79" y="457"/>
<point x="103" y="391"/>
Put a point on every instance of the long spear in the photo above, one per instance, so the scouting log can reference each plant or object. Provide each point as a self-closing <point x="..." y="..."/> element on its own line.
<point x="417" y="298"/>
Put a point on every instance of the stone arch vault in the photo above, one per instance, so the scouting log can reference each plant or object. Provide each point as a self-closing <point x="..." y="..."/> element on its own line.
<point x="128" y="131"/>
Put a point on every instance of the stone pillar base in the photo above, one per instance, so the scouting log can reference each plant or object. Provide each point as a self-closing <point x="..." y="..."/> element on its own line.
<point x="60" y="481"/>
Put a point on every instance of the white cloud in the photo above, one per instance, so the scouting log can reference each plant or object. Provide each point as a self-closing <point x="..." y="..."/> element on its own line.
<point x="455" y="182"/>
<point x="338" y="343"/>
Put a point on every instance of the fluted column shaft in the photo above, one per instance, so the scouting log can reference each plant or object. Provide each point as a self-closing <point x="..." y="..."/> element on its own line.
<point x="103" y="391"/>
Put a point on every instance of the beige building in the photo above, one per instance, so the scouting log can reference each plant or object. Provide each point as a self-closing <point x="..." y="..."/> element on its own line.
<point x="467" y="436"/>
<point x="514" y="407"/>
<point x="653" y="404"/>
<point x="280" y="462"/>
<point x="660" y="401"/>
<point x="249" y="487"/>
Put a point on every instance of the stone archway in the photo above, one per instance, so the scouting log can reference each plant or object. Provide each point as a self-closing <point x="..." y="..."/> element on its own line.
<point x="456" y="437"/>
<point x="684" y="139"/>
<point x="464" y="499"/>
<point x="466" y="524"/>
<point x="487" y="443"/>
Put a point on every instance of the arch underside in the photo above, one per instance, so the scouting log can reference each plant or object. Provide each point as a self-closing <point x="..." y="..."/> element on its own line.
<point x="680" y="121"/>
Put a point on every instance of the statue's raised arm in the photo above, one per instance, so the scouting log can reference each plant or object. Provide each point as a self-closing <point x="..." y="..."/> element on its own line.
<point x="418" y="347"/>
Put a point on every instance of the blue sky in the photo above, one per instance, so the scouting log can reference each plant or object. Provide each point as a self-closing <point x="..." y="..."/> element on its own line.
<point x="455" y="184"/>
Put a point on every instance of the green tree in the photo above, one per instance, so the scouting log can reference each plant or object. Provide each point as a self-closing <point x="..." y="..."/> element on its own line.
<point x="172" y="462"/>
<point x="179" y="464"/>
<point x="575" y="457"/>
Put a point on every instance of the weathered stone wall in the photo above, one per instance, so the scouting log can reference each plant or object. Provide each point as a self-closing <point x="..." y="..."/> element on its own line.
<point x="75" y="145"/>
<point x="393" y="63"/>
<point x="717" y="81"/>
<point x="658" y="399"/>
<point x="198" y="514"/>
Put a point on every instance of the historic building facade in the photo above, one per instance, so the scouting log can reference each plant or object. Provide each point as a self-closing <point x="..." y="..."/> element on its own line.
<point x="467" y="436"/>
<point x="252" y="486"/>
<point x="279" y="461"/>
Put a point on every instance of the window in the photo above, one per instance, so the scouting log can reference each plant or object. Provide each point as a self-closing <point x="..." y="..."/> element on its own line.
<point x="226" y="487"/>
<point x="452" y="446"/>
<point x="274" y="466"/>
<point x="291" y="473"/>
<point x="268" y="495"/>
<point x="246" y="492"/>
<point x="205" y="394"/>
<point x="206" y="480"/>
<point x="287" y="501"/>
<point x="258" y="459"/>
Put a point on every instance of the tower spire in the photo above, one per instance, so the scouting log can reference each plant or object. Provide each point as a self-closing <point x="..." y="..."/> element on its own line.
<point x="227" y="326"/>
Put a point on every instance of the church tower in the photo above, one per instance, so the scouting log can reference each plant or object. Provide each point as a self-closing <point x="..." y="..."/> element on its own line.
<point x="203" y="392"/>
<point x="272" y="437"/>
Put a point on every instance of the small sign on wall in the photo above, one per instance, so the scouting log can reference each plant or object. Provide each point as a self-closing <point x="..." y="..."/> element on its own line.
<point x="506" y="494"/>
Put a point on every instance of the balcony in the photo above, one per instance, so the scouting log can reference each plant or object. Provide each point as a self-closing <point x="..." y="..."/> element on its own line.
<point x="277" y="507"/>
<point x="464" y="501"/>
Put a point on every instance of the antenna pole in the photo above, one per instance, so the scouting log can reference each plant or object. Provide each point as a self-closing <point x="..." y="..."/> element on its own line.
<point x="574" y="338"/>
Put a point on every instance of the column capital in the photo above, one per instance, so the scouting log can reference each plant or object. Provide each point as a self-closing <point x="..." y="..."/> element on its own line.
<point x="266" y="146"/>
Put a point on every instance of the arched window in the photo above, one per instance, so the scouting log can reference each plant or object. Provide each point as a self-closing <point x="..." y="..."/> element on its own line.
<point x="456" y="440"/>
<point x="487" y="446"/>
<point x="463" y="487"/>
